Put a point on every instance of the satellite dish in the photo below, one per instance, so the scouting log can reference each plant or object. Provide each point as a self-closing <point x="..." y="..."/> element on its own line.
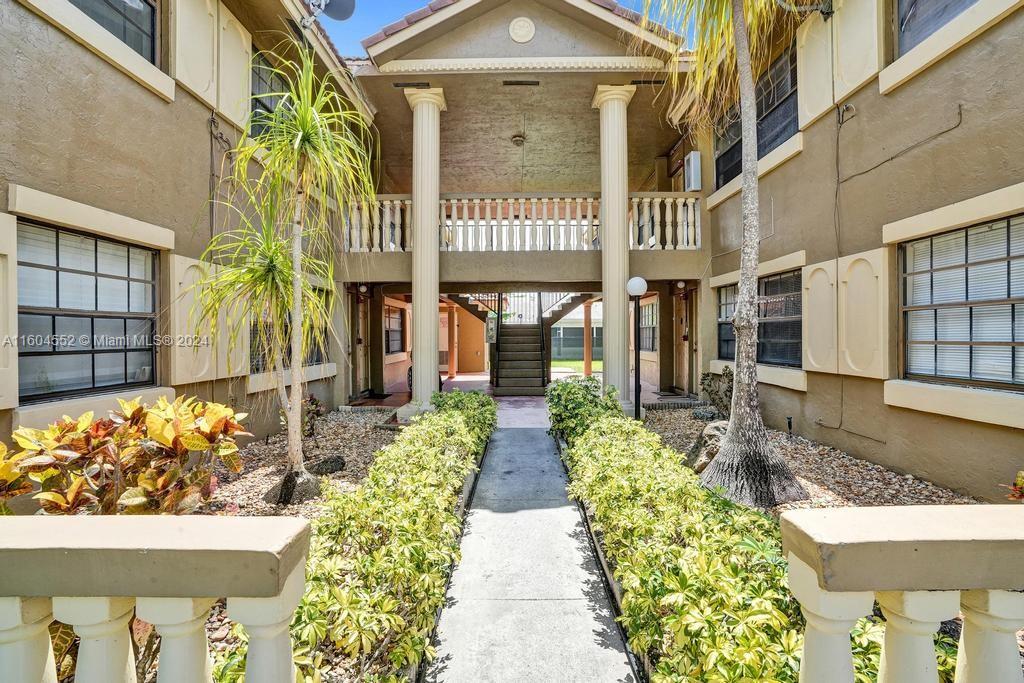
<point x="340" y="10"/>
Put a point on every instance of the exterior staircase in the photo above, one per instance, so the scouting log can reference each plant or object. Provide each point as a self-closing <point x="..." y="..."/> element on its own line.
<point x="521" y="369"/>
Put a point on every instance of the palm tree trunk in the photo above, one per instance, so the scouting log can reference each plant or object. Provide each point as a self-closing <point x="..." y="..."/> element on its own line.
<point x="294" y="407"/>
<point x="748" y="467"/>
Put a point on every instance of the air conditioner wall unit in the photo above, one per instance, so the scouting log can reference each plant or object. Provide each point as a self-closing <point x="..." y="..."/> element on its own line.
<point x="691" y="172"/>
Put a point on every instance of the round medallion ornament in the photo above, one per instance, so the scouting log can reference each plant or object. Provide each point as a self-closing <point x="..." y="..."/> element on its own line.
<point x="522" y="30"/>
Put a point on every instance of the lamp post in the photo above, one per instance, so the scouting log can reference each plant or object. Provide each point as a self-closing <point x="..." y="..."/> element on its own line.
<point x="636" y="288"/>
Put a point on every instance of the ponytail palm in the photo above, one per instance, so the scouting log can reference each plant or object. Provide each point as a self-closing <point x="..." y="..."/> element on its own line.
<point x="731" y="38"/>
<point x="312" y="156"/>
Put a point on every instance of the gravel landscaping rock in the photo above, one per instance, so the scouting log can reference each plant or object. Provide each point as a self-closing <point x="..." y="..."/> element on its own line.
<point x="831" y="477"/>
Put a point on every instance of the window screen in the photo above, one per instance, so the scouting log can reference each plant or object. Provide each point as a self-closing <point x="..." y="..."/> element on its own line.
<point x="780" y="320"/>
<point x="86" y="314"/>
<point x="963" y="305"/>
<point x="918" y="19"/>
<point x="133" y="21"/>
<point x="649" y="327"/>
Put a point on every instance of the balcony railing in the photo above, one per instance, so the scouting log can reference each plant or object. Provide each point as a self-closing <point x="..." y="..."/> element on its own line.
<point x="95" y="573"/>
<point x="525" y="222"/>
<point x="664" y="220"/>
<point x="923" y="565"/>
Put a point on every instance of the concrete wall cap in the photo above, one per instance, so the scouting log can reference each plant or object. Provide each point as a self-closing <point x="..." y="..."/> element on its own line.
<point x="926" y="547"/>
<point x="149" y="556"/>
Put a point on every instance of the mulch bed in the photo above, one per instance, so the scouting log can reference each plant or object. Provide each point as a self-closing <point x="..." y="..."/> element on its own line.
<point x="831" y="477"/>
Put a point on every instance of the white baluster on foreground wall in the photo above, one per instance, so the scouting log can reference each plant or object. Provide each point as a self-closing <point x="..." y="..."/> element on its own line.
<point x="96" y="566"/>
<point x="923" y="564"/>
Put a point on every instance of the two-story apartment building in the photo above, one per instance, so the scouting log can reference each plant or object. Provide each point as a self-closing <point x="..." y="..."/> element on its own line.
<point x="113" y="138"/>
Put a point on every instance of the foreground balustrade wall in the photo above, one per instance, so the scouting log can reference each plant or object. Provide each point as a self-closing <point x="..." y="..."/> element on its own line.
<point x="923" y="565"/>
<point x="94" y="573"/>
<point x="524" y="222"/>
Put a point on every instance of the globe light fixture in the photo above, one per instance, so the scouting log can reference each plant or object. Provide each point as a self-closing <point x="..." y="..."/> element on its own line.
<point x="636" y="288"/>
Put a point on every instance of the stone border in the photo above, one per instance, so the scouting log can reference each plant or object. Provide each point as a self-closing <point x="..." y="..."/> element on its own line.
<point x="640" y="663"/>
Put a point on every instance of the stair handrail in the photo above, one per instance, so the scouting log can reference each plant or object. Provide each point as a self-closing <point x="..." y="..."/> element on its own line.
<point x="562" y="298"/>
<point x="543" y="336"/>
<point x="497" y="343"/>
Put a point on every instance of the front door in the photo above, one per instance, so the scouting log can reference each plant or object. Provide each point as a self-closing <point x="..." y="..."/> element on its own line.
<point x="684" y="337"/>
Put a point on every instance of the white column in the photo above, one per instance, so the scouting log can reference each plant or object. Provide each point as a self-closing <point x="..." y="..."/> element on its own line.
<point x="181" y="623"/>
<point x="427" y="105"/>
<point x="612" y="101"/>
<point x="911" y="620"/>
<point x="105" y="652"/>
<point x="988" y="641"/>
<point x="266" y="621"/>
<point x="830" y="618"/>
<point x="25" y="650"/>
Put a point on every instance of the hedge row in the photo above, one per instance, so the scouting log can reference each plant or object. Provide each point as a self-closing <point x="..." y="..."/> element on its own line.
<point x="381" y="554"/>
<point x="705" y="594"/>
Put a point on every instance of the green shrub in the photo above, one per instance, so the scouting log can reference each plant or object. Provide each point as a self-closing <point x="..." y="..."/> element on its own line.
<point x="704" y="580"/>
<point x="381" y="554"/>
<point x="575" y="403"/>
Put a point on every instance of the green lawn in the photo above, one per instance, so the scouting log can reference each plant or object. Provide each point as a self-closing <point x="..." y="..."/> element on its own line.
<point x="576" y="365"/>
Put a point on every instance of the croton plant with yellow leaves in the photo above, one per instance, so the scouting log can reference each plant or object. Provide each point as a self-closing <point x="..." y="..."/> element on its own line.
<point x="140" y="460"/>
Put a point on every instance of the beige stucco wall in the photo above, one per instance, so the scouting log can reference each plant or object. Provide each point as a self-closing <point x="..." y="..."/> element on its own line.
<point x="951" y="133"/>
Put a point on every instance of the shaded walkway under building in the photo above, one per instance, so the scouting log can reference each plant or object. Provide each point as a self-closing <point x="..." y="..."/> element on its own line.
<point x="527" y="602"/>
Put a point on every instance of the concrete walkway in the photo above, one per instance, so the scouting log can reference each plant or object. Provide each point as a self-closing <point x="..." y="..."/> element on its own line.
<point x="527" y="603"/>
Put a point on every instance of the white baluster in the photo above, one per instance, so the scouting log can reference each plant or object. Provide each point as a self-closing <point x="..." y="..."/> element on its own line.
<point x="501" y="238"/>
<point x="671" y="238"/>
<point x="521" y="241"/>
<point x="693" y="221"/>
<point x="478" y="228"/>
<point x="830" y="617"/>
<point x="25" y="650"/>
<point x="406" y="224"/>
<point x="266" y="620"/>
<point x="634" y="225"/>
<point x="647" y="232"/>
<point x="488" y="234"/>
<point x="444" y="235"/>
<point x="912" y="618"/>
<point x="466" y="234"/>
<point x="577" y="224"/>
<point x="533" y="234"/>
<point x="353" y="228"/>
<point x="389" y="233"/>
<point x="105" y="651"/>
<point x="988" y="640"/>
<point x="364" y="223"/>
<point x="181" y="623"/>
<point x="556" y="226"/>
<point x="458" y="225"/>
<point x="657" y="224"/>
<point x="590" y="241"/>
<point x="680" y="223"/>
<point x="544" y="237"/>
<point x="376" y="242"/>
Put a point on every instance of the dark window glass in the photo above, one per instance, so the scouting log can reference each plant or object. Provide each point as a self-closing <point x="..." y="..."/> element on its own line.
<point x="133" y="21"/>
<point x="649" y="327"/>
<point x="268" y="87"/>
<point x="780" y="320"/>
<point x="86" y="314"/>
<point x="918" y="19"/>
<point x="963" y="305"/>
<point x="258" y="361"/>
<point x="777" y="118"/>
<point x="394" y="329"/>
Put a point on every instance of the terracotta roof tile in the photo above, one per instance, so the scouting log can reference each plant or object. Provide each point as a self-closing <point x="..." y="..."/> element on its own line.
<point x="437" y="5"/>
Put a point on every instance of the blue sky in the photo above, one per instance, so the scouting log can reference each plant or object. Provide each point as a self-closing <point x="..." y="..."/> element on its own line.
<point x="371" y="15"/>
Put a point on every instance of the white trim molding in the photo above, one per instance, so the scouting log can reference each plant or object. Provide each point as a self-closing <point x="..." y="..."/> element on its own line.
<point x="612" y="63"/>
<point x="80" y="26"/>
<point x="787" y="378"/>
<point x="264" y="381"/>
<point x="960" y="30"/>
<point x="50" y="208"/>
<point x="986" y="207"/>
<point x="798" y="259"/>
<point x="41" y="415"/>
<point x="768" y="163"/>
<point x="991" y="406"/>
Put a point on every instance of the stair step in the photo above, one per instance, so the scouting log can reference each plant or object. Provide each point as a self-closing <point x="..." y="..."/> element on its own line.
<point x="512" y="372"/>
<point x="520" y="347"/>
<point x="518" y="391"/>
<point x="520" y="330"/>
<point x="505" y="356"/>
<point x="521" y="381"/>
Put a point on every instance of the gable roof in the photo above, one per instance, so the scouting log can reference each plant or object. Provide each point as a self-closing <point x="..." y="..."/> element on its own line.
<point x="413" y="18"/>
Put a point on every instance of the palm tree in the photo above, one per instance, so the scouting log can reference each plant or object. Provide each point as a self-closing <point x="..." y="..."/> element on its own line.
<point x="730" y="38"/>
<point x="315" y="152"/>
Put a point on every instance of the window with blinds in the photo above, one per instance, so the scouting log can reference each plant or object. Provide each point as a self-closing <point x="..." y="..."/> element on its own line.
<point x="394" y="329"/>
<point x="963" y="305"/>
<point x="777" y="118"/>
<point x="918" y="19"/>
<point x="649" y="327"/>
<point x="780" y="320"/>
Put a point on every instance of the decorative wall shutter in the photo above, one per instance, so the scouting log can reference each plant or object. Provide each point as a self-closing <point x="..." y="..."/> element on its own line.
<point x="864" y="314"/>
<point x="195" y="47"/>
<point x="234" y="69"/>
<point x="821" y="353"/>
<point x="813" y="68"/>
<point x="9" y="314"/>
<point x="189" y="364"/>
<point x="858" y="27"/>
